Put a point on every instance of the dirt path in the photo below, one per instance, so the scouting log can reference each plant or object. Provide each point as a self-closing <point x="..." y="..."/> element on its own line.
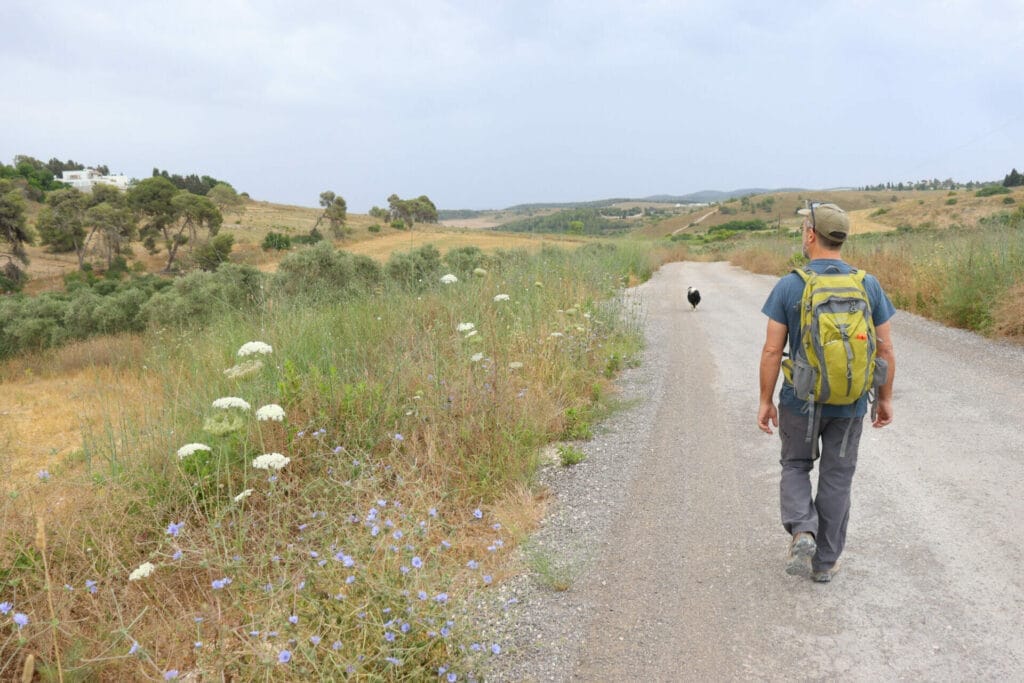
<point x="685" y="581"/>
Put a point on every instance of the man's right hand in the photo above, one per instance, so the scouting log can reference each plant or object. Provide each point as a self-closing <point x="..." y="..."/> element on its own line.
<point x="767" y="415"/>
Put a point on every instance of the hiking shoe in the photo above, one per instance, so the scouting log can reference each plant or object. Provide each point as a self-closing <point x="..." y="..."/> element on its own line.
<point x="801" y="550"/>
<point x="824" y="575"/>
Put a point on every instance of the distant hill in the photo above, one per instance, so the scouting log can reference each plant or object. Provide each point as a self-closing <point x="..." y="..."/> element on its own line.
<point x="702" y="197"/>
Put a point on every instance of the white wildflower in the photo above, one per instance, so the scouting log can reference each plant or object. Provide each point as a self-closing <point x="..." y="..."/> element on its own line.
<point x="515" y="365"/>
<point x="143" y="570"/>
<point x="255" y="347"/>
<point x="477" y="357"/>
<point x="501" y="297"/>
<point x="271" y="411"/>
<point x="557" y="334"/>
<point x="270" y="461"/>
<point x="449" y="279"/>
<point x="231" y="402"/>
<point x="190" y="448"/>
<point x="465" y="327"/>
<point x="243" y="369"/>
<point x="471" y="333"/>
<point x="243" y="495"/>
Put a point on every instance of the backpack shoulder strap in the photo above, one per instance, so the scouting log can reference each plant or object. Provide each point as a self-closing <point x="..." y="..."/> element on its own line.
<point x="804" y="273"/>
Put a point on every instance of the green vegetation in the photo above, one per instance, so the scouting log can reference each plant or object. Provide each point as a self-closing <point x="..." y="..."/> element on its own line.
<point x="570" y="455"/>
<point x="990" y="190"/>
<point x="323" y="499"/>
<point x="275" y="240"/>
<point x="573" y="221"/>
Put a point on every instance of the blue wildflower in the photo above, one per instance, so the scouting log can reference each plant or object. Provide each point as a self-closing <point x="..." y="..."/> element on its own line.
<point x="472" y="564"/>
<point x="5" y="608"/>
<point x="21" y="620"/>
<point x="417" y="562"/>
<point x="170" y="675"/>
<point x="496" y="649"/>
<point x="284" y="656"/>
<point x="315" y="640"/>
<point x="478" y="513"/>
<point x="174" y="528"/>
<point x="336" y="645"/>
<point x="293" y="620"/>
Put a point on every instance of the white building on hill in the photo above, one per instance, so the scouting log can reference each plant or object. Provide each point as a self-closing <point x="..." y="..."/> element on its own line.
<point x="86" y="178"/>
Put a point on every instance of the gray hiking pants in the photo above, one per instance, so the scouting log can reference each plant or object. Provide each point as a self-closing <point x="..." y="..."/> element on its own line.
<point x="826" y="514"/>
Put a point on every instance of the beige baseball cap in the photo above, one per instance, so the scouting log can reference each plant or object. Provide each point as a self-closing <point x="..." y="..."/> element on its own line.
<point x="828" y="220"/>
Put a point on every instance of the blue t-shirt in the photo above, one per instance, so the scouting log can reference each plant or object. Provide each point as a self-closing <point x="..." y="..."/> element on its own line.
<point x="783" y="306"/>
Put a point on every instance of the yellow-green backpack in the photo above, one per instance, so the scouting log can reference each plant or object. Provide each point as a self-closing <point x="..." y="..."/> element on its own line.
<point x="837" y="362"/>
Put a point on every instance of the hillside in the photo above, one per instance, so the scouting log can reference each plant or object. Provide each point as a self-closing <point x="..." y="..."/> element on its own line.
<point x="870" y="211"/>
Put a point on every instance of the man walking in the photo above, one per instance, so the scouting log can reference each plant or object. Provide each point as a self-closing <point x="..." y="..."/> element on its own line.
<point x="818" y="525"/>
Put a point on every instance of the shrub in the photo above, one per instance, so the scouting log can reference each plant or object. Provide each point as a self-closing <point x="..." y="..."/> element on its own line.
<point x="198" y="297"/>
<point x="318" y="269"/>
<point x="275" y="240"/>
<point x="951" y="201"/>
<point x="464" y="260"/>
<point x="415" y="268"/>
<point x="990" y="190"/>
<point x="374" y="228"/>
<point x="215" y="252"/>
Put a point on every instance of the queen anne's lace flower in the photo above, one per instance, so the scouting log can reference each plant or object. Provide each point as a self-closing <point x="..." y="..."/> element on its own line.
<point x="449" y="279"/>
<point x="515" y="365"/>
<point x="501" y="297"/>
<point x="465" y="327"/>
<point x="477" y="357"/>
<point x="271" y="411"/>
<point x="142" y="571"/>
<point x="255" y="347"/>
<point x="231" y="402"/>
<point x="270" y="461"/>
<point x="190" y="448"/>
<point x="243" y="495"/>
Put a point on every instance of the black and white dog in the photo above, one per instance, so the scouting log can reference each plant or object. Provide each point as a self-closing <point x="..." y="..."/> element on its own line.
<point x="693" y="296"/>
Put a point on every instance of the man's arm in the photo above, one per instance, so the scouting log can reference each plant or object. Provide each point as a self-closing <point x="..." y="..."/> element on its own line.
<point x="883" y="333"/>
<point x="771" y="362"/>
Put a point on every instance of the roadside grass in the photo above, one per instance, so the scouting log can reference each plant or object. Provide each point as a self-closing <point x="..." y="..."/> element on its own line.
<point x="412" y="425"/>
<point x="968" y="277"/>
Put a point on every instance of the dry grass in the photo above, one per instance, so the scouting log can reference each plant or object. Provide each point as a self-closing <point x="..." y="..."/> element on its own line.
<point x="48" y="401"/>
<point x="1008" y="315"/>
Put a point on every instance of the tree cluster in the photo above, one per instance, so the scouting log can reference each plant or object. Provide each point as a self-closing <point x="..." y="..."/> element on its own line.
<point x="933" y="184"/>
<point x="38" y="177"/>
<point x="1013" y="179"/>
<point x="196" y="184"/>
<point x="410" y="211"/>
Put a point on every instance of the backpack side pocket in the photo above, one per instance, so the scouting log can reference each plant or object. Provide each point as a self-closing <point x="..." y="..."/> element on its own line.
<point x="805" y="378"/>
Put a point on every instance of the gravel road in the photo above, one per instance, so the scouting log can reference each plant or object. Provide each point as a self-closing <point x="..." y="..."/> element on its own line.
<point x="671" y="526"/>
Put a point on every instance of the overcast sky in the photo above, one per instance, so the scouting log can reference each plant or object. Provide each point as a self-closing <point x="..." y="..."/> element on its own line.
<point x="489" y="104"/>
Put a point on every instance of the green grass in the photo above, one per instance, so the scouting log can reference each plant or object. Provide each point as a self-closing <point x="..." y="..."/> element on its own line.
<point x="407" y="439"/>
